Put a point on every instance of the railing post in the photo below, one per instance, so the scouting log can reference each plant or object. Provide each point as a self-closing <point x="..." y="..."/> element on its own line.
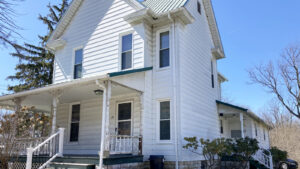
<point x="29" y="158"/>
<point x="271" y="161"/>
<point x="61" y="141"/>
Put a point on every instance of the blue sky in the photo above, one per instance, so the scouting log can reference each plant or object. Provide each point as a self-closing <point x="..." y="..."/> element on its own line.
<point x="252" y="32"/>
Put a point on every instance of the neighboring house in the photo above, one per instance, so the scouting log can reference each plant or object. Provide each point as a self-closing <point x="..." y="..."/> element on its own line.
<point x="153" y="65"/>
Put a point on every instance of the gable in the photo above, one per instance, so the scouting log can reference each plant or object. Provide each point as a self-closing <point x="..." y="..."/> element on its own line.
<point x="71" y="12"/>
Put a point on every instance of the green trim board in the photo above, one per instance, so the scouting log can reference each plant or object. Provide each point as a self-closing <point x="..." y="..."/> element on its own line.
<point x="126" y="72"/>
<point x="231" y="105"/>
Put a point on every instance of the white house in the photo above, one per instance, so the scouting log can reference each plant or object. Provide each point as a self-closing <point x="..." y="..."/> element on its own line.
<point x="132" y="79"/>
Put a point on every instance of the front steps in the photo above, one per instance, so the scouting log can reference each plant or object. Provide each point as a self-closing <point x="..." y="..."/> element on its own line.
<point x="90" y="162"/>
<point x="71" y="166"/>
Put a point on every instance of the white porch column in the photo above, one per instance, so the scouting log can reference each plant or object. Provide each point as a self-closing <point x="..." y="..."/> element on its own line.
<point x="104" y="145"/>
<point x="242" y="125"/>
<point x="55" y="100"/>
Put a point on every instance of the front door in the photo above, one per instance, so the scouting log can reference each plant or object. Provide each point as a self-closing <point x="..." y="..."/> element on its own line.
<point x="124" y="123"/>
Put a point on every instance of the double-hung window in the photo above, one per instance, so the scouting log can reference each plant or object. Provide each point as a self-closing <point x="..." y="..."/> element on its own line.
<point x="212" y="74"/>
<point x="78" y="64"/>
<point x="255" y="126"/>
<point x="74" y="126"/>
<point x="199" y="7"/>
<point x="164" y="50"/>
<point x="126" y="58"/>
<point x="221" y="127"/>
<point x="165" y="121"/>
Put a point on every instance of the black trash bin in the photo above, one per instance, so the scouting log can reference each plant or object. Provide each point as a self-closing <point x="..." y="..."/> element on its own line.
<point x="156" y="162"/>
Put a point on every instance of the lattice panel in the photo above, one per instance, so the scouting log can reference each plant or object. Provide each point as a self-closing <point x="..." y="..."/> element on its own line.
<point x="22" y="165"/>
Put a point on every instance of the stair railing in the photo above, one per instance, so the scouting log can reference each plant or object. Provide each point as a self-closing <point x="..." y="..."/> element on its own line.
<point x="49" y="149"/>
<point x="264" y="158"/>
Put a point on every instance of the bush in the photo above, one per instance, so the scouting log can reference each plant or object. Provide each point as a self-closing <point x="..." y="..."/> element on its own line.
<point x="278" y="155"/>
<point x="242" y="149"/>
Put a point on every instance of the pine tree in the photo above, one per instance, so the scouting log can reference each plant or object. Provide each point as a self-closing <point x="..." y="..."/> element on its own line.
<point x="35" y="65"/>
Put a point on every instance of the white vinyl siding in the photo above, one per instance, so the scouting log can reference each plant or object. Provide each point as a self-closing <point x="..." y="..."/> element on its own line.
<point x="96" y="27"/>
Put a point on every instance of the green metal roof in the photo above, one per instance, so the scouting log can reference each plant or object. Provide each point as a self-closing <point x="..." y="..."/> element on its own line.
<point x="129" y="71"/>
<point x="161" y="6"/>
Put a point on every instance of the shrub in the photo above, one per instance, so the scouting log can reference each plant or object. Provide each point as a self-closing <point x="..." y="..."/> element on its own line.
<point x="278" y="155"/>
<point x="242" y="149"/>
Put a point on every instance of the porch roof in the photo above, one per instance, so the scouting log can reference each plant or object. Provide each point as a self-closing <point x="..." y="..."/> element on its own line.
<point x="75" y="90"/>
<point x="244" y="110"/>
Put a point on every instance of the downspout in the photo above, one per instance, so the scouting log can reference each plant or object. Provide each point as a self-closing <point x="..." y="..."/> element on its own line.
<point x="103" y="123"/>
<point x="174" y="88"/>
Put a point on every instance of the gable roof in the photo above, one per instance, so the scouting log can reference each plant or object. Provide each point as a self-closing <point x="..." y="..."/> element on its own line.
<point x="156" y="6"/>
<point x="161" y="6"/>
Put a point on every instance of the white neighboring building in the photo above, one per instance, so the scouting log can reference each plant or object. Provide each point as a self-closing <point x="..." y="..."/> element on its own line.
<point x="153" y="65"/>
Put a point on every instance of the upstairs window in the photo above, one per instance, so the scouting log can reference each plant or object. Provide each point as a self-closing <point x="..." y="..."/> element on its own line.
<point x="164" y="50"/>
<point x="264" y="134"/>
<point x="126" y="58"/>
<point x="199" y="7"/>
<point x="165" y="121"/>
<point x="212" y="75"/>
<point x="78" y="64"/>
<point x="74" y="126"/>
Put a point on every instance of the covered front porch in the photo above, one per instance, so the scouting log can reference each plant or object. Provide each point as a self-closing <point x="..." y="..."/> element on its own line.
<point x="91" y="129"/>
<point x="234" y="121"/>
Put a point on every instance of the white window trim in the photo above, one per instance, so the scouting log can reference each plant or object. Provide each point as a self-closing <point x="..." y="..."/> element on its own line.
<point x="158" y="32"/>
<point x="69" y="123"/>
<point x="120" y="50"/>
<point x="158" y="122"/>
<point x="117" y="113"/>
<point x="73" y="62"/>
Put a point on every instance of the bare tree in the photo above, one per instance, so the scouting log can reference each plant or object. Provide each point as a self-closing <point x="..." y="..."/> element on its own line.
<point x="8" y="26"/>
<point x="285" y="129"/>
<point x="282" y="79"/>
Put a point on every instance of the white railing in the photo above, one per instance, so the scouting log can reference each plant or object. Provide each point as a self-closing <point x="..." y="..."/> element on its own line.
<point x="22" y="144"/>
<point x="49" y="149"/>
<point x="124" y="144"/>
<point x="264" y="158"/>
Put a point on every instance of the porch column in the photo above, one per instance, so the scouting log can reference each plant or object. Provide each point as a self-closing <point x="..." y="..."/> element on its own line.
<point x="55" y="100"/>
<point x="242" y="125"/>
<point x="104" y="145"/>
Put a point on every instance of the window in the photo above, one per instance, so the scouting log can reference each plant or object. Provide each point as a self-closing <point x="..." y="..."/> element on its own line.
<point x="164" y="50"/>
<point x="236" y="133"/>
<point x="255" y="129"/>
<point x="264" y="134"/>
<point x="75" y="118"/>
<point x="212" y="75"/>
<point x="221" y="127"/>
<point x="124" y="119"/>
<point x="199" y="7"/>
<point x="126" y="58"/>
<point x="165" y="122"/>
<point x="78" y="64"/>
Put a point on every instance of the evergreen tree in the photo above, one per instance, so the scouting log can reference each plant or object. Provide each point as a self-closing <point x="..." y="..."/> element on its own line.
<point x="35" y="65"/>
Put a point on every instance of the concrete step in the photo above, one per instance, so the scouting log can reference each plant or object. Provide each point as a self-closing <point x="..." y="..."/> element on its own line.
<point x="56" y="165"/>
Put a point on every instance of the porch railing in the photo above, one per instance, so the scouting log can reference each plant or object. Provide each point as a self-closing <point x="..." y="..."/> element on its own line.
<point x="48" y="150"/>
<point x="125" y="144"/>
<point x="22" y="144"/>
<point x="264" y="157"/>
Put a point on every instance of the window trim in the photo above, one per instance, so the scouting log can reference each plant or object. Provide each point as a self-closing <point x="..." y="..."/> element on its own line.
<point x="117" y="113"/>
<point x="120" y="50"/>
<point x="159" y="141"/>
<point x="158" y="32"/>
<point x="73" y="62"/>
<point x="70" y="121"/>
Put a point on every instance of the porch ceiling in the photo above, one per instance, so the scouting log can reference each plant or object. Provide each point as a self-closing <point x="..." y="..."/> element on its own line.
<point x="42" y="100"/>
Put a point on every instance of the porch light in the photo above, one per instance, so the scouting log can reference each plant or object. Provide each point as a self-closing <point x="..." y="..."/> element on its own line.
<point x="98" y="92"/>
